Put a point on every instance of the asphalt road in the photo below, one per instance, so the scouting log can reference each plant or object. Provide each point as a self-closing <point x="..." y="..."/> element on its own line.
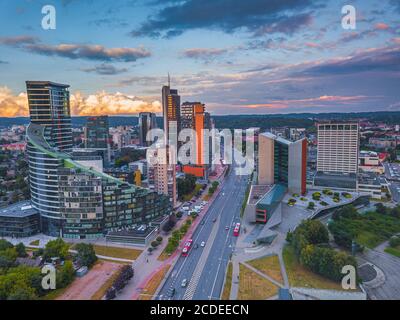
<point x="204" y="267"/>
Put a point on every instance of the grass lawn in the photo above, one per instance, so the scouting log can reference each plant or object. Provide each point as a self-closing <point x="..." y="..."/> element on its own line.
<point x="106" y="285"/>
<point x="254" y="287"/>
<point x="268" y="265"/>
<point x="151" y="287"/>
<point x="34" y="243"/>
<point x="300" y="276"/>
<point x="228" y="283"/>
<point x="116" y="252"/>
<point x="369" y="229"/>
<point x="393" y="251"/>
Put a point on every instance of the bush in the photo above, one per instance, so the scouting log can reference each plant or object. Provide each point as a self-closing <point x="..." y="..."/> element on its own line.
<point x="323" y="203"/>
<point x="159" y="239"/>
<point x="21" y="250"/>
<point x="311" y="205"/>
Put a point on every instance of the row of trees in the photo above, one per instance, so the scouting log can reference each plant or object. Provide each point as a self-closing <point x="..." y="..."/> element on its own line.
<point x="120" y="282"/>
<point x="310" y="241"/>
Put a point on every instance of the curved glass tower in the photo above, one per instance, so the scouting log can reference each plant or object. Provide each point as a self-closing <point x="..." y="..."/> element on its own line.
<point x="49" y="108"/>
<point x="74" y="200"/>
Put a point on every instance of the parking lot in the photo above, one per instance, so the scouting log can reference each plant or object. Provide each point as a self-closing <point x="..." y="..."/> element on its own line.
<point x="392" y="171"/>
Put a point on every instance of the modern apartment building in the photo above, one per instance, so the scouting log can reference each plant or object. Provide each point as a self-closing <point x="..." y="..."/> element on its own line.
<point x="338" y="147"/>
<point x="147" y="122"/>
<point x="337" y="155"/>
<point x="51" y="120"/>
<point x="171" y="104"/>
<point x="75" y="200"/>
<point x="97" y="136"/>
<point x="281" y="161"/>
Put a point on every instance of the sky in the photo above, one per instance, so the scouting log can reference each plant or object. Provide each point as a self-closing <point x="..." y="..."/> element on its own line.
<point x="237" y="57"/>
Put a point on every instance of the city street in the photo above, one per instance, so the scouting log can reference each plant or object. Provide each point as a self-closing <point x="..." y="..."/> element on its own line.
<point x="204" y="267"/>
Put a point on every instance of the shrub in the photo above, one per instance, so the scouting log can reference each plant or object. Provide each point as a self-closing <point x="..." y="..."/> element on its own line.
<point x="154" y="244"/>
<point x="159" y="239"/>
<point x="394" y="242"/>
<point x="323" y="203"/>
<point x="311" y="205"/>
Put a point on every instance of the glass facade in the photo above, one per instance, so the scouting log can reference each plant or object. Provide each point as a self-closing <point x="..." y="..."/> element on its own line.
<point x="49" y="108"/>
<point x="281" y="163"/>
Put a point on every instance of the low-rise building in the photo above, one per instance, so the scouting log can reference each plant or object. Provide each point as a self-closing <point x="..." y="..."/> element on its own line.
<point x="19" y="220"/>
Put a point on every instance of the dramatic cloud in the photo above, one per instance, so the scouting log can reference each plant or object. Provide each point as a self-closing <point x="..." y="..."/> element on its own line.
<point x="76" y="51"/>
<point x="12" y="106"/>
<point x="386" y="60"/>
<point x="203" y="53"/>
<point x="111" y="104"/>
<point x="105" y="69"/>
<point x="94" y="104"/>
<point x="255" y="16"/>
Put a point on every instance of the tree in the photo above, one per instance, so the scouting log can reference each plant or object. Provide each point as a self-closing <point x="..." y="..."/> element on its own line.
<point x="86" y="254"/>
<point x="65" y="274"/>
<point x="159" y="239"/>
<point x="380" y="208"/>
<point x="56" y="248"/>
<point x="4" y="244"/>
<point x="21" y="251"/>
<point x="7" y="258"/>
<point x="154" y="244"/>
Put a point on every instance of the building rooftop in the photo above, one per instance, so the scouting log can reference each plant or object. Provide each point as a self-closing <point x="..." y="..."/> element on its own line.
<point x="257" y="192"/>
<point x="19" y="210"/>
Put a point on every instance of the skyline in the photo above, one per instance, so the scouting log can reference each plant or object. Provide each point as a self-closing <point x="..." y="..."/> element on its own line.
<point x="260" y="58"/>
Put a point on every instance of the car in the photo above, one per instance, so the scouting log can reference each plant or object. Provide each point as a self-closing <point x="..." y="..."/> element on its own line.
<point x="227" y="228"/>
<point x="195" y="246"/>
<point x="202" y="244"/>
<point x="215" y="219"/>
<point x="171" y="292"/>
<point x="184" y="283"/>
<point x="202" y="222"/>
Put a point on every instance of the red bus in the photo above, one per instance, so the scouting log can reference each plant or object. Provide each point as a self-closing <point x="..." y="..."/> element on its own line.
<point x="236" y="230"/>
<point x="186" y="247"/>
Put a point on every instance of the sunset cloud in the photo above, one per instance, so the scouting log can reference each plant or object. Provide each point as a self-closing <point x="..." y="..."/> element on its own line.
<point x="95" y="104"/>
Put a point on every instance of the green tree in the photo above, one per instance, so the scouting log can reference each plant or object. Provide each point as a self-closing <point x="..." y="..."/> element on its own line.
<point x="86" y="254"/>
<point x="21" y="250"/>
<point x="56" y="248"/>
<point x="65" y="274"/>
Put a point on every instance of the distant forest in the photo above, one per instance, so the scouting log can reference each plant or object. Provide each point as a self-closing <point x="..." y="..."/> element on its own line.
<point x="300" y="120"/>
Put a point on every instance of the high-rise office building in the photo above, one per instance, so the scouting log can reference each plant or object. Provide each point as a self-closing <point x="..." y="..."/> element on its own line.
<point x="97" y="136"/>
<point x="338" y="147"/>
<point x="193" y="116"/>
<point x="281" y="161"/>
<point x="50" y="113"/>
<point x="147" y="122"/>
<point x="166" y="172"/>
<point x="74" y="200"/>
<point x="171" y="104"/>
<point x="337" y="154"/>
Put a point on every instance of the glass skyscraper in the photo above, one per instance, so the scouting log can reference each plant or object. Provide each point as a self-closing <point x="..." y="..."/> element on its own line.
<point x="50" y="111"/>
